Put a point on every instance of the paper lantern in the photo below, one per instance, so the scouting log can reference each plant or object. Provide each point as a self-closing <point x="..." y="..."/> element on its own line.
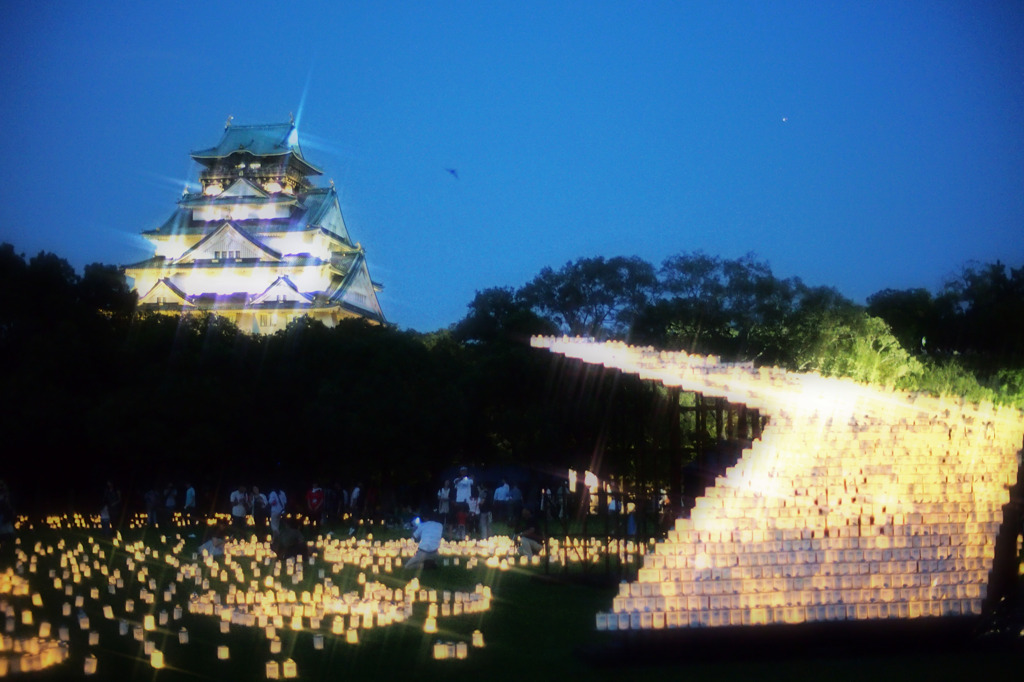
<point x="90" y="665"/>
<point x="223" y="653"/>
<point x="288" y="669"/>
<point x="156" y="658"/>
<point x="478" y="639"/>
<point x="275" y="645"/>
<point x="273" y="670"/>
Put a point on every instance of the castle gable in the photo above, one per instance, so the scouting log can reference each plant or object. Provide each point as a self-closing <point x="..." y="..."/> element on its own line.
<point x="229" y="243"/>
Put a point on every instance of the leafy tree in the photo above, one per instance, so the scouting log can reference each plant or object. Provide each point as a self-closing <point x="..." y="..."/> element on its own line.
<point x="500" y="314"/>
<point x="911" y="313"/>
<point x="103" y="288"/>
<point x="593" y="296"/>
<point x="989" y="312"/>
<point x="734" y="308"/>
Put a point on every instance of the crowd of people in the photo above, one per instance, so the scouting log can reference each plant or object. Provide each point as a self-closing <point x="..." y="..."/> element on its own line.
<point x="462" y="508"/>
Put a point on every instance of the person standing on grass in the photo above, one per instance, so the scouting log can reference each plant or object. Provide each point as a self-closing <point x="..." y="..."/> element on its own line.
<point x="463" y="490"/>
<point x="444" y="497"/>
<point x="500" y="507"/>
<point x="152" y="499"/>
<point x="260" y="509"/>
<point x="515" y="503"/>
<point x="112" y="508"/>
<point x="6" y="518"/>
<point x="189" y="508"/>
<point x="170" y="503"/>
<point x="315" y="504"/>
<point x="355" y="505"/>
<point x="486" y="515"/>
<point x="239" y="509"/>
<point x="278" y="502"/>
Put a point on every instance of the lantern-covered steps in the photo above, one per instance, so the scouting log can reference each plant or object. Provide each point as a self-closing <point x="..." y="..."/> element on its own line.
<point x="855" y="504"/>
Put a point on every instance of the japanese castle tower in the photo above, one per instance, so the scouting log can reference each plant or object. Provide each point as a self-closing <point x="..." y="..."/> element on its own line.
<point x="259" y="244"/>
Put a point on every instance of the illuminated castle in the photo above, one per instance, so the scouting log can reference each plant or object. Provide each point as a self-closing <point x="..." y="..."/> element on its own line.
<point x="259" y="244"/>
<point x="856" y="503"/>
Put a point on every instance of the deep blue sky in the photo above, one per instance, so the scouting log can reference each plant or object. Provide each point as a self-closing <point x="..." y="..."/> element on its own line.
<point x="862" y="145"/>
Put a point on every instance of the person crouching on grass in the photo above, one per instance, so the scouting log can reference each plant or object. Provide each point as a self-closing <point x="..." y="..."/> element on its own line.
<point x="428" y="533"/>
<point x="530" y="537"/>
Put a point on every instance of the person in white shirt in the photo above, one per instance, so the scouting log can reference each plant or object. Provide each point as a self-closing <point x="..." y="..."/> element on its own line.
<point x="239" y="508"/>
<point x="463" y="490"/>
<point x="277" y="501"/>
<point x="428" y="533"/>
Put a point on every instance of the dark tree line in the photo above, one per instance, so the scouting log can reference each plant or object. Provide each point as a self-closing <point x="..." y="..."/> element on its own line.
<point x="92" y="389"/>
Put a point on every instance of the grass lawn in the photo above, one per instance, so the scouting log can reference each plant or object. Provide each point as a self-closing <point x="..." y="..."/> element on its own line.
<point x="535" y="627"/>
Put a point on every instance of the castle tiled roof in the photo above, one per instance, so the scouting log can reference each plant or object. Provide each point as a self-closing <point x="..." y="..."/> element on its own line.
<point x="278" y="139"/>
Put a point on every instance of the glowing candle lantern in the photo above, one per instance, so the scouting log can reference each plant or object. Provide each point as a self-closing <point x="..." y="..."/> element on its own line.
<point x="156" y="659"/>
<point x="90" y="665"/>
<point x="26" y="617"/>
<point x="162" y="617"/>
<point x="430" y="625"/>
<point x="149" y="646"/>
<point x="352" y="636"/>
<point x="225" y="627"/>
<point x="440" y="651"/>
<point x="94" y="638"/>
<point x="288" y="669"/>
<point x="478" y="639"/>
<point x="275" y="645"/>
<point x="461" y="651"/>
<point x="129" y="605"/>
<point x="318" y="641"/>
<point x="149" y="622"/>
<point x="273" y="670"/>
<point x="122" y="628"/>
<point x="222" y="653"/>
<point x="183" y="636"/>
<point x="338" y="625"/>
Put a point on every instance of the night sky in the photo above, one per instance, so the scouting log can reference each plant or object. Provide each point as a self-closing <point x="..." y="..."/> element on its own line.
<point x="861" y="145"/>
